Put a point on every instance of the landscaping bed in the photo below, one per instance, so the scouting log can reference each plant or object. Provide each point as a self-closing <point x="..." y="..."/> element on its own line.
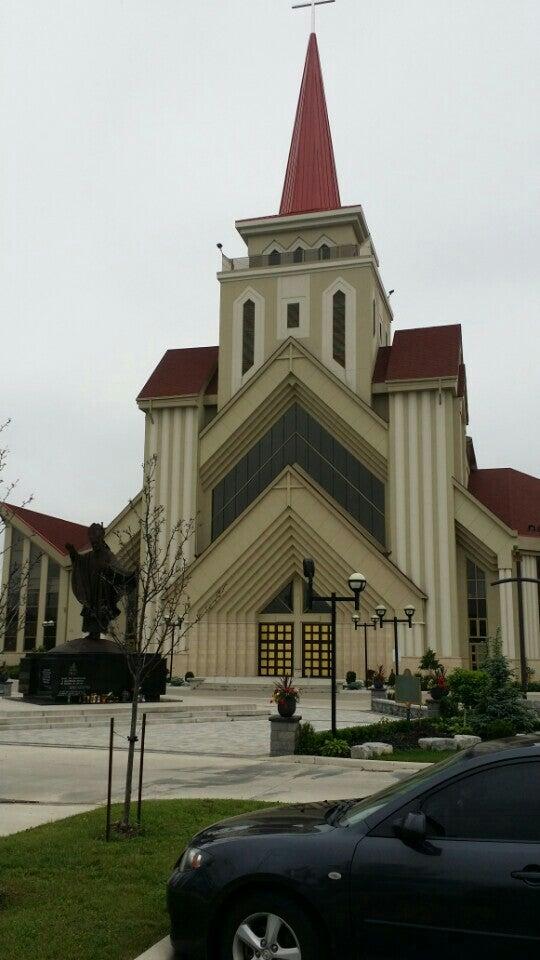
<point x="65" y="894"/>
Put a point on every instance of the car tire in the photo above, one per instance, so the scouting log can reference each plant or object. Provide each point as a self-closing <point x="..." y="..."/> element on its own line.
<point x="251" y="913"/>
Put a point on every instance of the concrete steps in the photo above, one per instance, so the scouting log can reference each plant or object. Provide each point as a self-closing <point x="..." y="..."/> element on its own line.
<point x="99" y="714"/>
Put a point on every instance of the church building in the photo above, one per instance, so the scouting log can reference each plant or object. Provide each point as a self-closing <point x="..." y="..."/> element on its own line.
<point x="311" y="430"/>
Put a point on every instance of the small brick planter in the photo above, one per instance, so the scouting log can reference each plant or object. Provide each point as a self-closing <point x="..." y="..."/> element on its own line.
<point x="283" y="735"/>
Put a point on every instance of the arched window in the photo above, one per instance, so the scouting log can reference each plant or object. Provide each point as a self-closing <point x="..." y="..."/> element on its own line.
<point x="274" y="258"/>
<point x="324" y="251"/>
<point x="298" y="255"/>
<point x="338" y="327"/>
<point x="248" y="335"/>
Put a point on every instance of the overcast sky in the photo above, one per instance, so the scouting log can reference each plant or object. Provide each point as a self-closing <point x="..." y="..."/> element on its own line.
<point x="134" y="133"/>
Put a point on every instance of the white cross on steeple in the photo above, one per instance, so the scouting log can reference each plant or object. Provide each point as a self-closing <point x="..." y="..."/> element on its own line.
<point x="312" y="4"/>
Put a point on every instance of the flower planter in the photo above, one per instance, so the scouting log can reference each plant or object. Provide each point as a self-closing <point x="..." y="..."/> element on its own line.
<point x="437" y="693"/>
<point x="286" y="706"/>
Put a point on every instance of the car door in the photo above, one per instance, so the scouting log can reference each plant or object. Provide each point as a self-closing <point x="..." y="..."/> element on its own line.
<point x="476" y="880"/>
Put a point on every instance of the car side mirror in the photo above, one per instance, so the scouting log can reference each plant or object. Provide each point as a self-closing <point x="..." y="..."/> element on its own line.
<point x="412" y="830"/>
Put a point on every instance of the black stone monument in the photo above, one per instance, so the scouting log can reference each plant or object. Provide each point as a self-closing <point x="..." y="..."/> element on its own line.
<point x="91" y="668"/>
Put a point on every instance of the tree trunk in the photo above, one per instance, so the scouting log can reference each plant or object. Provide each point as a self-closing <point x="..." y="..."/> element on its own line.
<point x="131" y="754"/>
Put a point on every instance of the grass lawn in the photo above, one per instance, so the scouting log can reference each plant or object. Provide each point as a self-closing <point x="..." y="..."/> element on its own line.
<point x="65" y="894"/>
<point x="419" y="756"/>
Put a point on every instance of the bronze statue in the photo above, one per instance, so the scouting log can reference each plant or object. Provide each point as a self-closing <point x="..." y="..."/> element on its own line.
<point x="98" y="582"/>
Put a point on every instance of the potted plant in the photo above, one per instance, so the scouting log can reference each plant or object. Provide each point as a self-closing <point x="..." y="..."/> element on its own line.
<point x="286" y="697"/>
<point x="379" y="678"/>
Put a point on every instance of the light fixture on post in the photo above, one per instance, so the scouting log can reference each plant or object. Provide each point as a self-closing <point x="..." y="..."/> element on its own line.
<point x="365" y="627"/>
<point x="409" y="613"/>
<point x="172" y="625"/>
<point x="357" y="583"/>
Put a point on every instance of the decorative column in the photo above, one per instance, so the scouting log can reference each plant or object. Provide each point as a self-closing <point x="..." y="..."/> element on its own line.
<point x="507" y="614"/>
<point x="531" y="609"/>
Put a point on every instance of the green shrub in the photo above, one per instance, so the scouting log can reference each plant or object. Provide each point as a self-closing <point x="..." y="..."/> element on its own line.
<point x="350" y="677"/>
<point x="534" y="687"/>
<point x="430" y="660"/>
<point x="468" y="687"/>
<point x="402" y="734"/>
<point x="13" y="671"/>
<point x="391" y="682"/>
<point x="357" y="685"/>
<point x="177" y="682"/>
<point x="307" y="743"/>
<point x="335" y="748"/>
<point x="494" y="729"/>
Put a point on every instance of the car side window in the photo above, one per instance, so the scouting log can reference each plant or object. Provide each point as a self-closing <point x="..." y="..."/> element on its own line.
<point x="498" y="803"/>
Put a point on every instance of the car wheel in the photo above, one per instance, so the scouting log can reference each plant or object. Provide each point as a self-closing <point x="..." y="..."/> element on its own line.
<point x="267" y="926"/>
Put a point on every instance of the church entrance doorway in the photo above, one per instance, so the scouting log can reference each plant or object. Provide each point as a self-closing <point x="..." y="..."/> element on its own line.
<point x="287" y="617"/>
<point x="316" y="650"/>
<point x="276" y="649"/>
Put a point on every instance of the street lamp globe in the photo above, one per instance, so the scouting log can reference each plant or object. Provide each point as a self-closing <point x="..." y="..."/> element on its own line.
<point x="380" y="611"/>
<point x="409" y="611"/>
<point x="357" y="582"/>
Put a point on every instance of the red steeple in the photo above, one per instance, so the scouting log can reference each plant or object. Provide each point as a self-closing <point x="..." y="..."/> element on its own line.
<point x="311" y="178"/>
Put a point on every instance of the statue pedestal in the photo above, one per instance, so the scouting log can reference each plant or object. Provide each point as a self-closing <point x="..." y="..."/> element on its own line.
<point x="77" y="671"/>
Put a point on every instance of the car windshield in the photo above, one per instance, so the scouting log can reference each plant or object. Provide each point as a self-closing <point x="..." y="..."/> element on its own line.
<point x="364" y="808"/>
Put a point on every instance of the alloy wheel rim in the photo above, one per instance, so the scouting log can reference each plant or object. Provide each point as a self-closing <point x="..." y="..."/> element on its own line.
<point x="265" y="936"/>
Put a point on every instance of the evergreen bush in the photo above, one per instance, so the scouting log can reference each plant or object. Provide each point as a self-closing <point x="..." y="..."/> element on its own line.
<point x="335" y="748"/>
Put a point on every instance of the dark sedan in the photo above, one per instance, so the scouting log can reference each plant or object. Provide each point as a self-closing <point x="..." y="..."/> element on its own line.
<point x="446" y="861"/>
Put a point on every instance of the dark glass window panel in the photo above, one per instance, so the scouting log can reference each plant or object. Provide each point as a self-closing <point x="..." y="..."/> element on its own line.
<point x="248" y="336"/>
<point x="282" y="603"/>
<point x="302" y="419"/>
<point x="278" y="435"/>
<point x="482" y="628"/>
<point x="471" y="570"/>
<point x="302" y="453"/>
<point x="497" y="804"/>
<point x="274" y="258"/>
<point x="473" y="627"/>
<point x="32" y="598"/>
<point x="324" y="251"/>
<point x="309" y="445"/>
<point x="340" y="490"/>
<point x="338" y="327"/>
<point x="293" y="315"/>
<point x="340" y="459"/>
<point x="377" y="493"/>
<point x="481" y="605"/>
<point x="471" y="588"/>
<point x="481" y="585"/>
<point x="217" y="498"/>
<point x="298" y="255"/>
<point x="476" y="603"/>
<point x="472" y="608"/>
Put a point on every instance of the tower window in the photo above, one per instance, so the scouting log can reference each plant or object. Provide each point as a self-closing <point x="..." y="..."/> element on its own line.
<point x="298" y="255"/>
<point x="293" y="316"/>
<point x="324" y="251"/>
<point x="338" y="327"/>
<point x="476" y="608"/>
<point x="274" y="258"/>
<point x="248" y="336"/>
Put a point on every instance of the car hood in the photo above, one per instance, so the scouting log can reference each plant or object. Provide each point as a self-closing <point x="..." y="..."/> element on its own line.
<point x="299" y="818"/>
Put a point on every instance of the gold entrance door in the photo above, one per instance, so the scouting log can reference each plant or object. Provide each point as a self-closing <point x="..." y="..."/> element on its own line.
<point x="316" y="650"/>
<point x="276" y="649"/>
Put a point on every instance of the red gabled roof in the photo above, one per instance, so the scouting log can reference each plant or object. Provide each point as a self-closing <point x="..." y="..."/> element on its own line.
<point x="424" y="353"/>
<point x="181" y="373"/>
<point x="55" y="531"/>
<point x="512" y="496"/>
<point x="311" y="179"/>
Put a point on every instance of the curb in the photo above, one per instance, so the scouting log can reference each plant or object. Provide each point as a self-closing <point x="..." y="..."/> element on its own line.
<point x="375" y="766"/>
<point x="160" y="951"/>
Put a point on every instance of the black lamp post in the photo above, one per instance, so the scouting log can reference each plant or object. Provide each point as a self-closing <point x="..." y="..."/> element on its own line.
<point x="409" y="614"/>
<point x="357" y="583"/>
<point x="173" y="625"/>
<point x="366" y="627"/>
<point x="522" y="645"/>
